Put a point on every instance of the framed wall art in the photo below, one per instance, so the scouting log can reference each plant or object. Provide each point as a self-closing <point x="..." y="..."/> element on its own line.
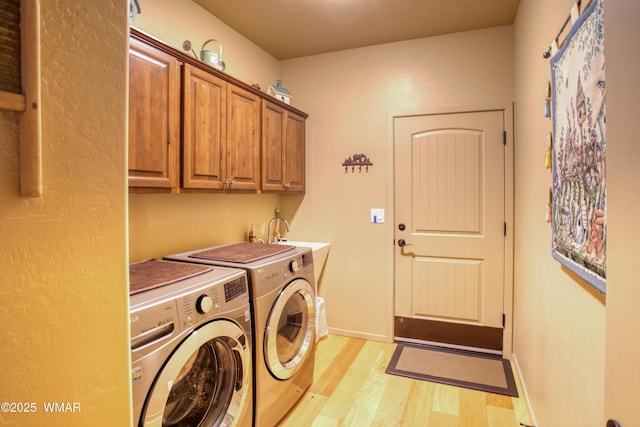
<point x="579" y="189"/>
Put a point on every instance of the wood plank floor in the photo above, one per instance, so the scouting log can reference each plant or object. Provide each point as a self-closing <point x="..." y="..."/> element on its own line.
<point x="351" y="389"/>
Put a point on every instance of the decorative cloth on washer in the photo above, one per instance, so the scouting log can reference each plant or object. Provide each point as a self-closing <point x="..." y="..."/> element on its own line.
<point x="242" y="252"/>
<point x="153" y="273"/>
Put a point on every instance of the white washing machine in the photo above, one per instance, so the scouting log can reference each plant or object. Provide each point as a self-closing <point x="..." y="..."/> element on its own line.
<point x="282" y="295"/>
<point x="191" y="346"/>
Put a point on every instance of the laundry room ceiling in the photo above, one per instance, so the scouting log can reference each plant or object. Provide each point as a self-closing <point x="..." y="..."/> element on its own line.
<point x="295" y="28"/>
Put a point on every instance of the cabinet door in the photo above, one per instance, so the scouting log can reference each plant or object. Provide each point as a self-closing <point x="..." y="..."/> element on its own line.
<point x="283" y="149"/>
<point x="154" y="119"/>
<point x="273" y="125"/>
<point x="243" y="139"/>
<point x="204" y="130"/>
<point x="294" y="153"/>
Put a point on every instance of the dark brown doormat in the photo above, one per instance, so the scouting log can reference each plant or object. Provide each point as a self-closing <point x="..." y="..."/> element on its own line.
<point x="478" y="371"/>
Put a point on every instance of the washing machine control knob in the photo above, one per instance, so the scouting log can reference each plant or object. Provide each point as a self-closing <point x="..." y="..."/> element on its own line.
<point x="204" y="304"/>
<point x="294" y="267"/>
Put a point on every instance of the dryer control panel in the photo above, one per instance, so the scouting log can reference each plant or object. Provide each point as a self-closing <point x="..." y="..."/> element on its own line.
<point x="212" y="301"/>
<point x="270" y="275"/>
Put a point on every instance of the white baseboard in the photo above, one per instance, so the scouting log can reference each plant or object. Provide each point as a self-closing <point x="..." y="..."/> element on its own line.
<point x="523" y="385"/>
<point x="361" y="335"/>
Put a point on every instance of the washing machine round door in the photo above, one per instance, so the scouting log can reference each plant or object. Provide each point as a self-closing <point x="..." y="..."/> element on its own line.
<point x="205" y="381"/>
<point x="290" y="329"/>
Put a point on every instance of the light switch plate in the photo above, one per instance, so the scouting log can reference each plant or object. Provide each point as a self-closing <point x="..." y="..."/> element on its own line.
<point x="377" y="216"/>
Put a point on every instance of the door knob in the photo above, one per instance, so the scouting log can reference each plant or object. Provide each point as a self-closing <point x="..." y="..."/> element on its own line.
<point x="402" y="243"/>
<point x="613" y="423"/>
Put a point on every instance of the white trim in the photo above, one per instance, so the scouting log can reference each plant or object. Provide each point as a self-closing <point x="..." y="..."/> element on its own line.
<point x="509" y="217"/>
<point x="523" y="387"/>
<point x="390" y="248"/>
<point x="360" y="335"/>
<point x="508" y="111"/>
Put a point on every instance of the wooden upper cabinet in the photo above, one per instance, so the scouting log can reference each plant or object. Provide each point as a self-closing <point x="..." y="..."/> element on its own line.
<point x="233" y="136"/>
<point x="154" y="118"/>
<point x="283" y="149"/>
<point x="204" y="130"/>
<point x="273" y="124"/>
<point x="243" y="139"/>
<point x="294" y="153"/>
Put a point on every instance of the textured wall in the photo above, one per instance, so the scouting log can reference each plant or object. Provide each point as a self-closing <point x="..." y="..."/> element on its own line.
<point x="350" y="97"/>
<point x="559" y="320"/>
<point x="174" y="21"/>
<point x="63" y="264"/>
<point x="623" y="156"/>
<point x="161" y="224"/>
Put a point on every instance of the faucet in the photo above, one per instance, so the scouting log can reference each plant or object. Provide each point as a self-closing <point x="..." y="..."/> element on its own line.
<point x="277" y="229"/>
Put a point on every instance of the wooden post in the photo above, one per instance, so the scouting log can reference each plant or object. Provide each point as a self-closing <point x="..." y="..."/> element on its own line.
<point x="30" y="118"/>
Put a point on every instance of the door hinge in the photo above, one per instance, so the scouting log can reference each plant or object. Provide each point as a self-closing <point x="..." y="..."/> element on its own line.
<point x="505" y="229"/>
<point x="504" y="320"/>
<point x="504" y="137"/>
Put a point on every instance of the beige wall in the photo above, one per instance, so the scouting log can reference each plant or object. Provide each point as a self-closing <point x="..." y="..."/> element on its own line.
<point x="160" y="224"/>
<point x="163" y="224"/>
<point x="63" y="263"/>
<point x="559" y="321"/>
<point x="350" y="97"/>
<point x="64" y="303"/>
<point x="174" y="21"/>
<point x="622" y="34"/>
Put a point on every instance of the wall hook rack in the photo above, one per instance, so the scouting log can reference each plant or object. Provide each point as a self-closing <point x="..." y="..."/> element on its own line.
<point x="359" y="160"/>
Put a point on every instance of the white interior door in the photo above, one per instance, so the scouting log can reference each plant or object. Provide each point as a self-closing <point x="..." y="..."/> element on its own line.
<point x="450" y="217"/>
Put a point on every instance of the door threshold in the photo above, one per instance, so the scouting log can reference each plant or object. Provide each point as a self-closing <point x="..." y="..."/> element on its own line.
<point x="447" y="345"/>
<point x="449" y="333"/>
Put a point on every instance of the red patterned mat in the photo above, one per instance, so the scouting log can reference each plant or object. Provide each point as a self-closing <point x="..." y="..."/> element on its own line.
<point x="153" y="273"/>
<point x="242" y="252"/>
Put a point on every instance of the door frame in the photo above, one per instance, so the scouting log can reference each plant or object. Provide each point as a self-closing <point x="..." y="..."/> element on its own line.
<point x="507" y="109"/>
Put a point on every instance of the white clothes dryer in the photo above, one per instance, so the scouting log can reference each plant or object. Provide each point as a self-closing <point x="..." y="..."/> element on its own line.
<point x="191" y="346"/>
<point x="282" y="283"/>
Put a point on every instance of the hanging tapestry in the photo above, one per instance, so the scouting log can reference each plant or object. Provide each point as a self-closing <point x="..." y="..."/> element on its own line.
<point x="579" y="152"/>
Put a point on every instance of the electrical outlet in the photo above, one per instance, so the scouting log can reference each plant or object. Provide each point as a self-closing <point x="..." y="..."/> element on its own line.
<point x="377" y="216"/>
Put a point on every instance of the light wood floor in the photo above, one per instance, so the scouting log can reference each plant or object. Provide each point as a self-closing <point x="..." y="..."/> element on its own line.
<point x="351" y="389"/>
